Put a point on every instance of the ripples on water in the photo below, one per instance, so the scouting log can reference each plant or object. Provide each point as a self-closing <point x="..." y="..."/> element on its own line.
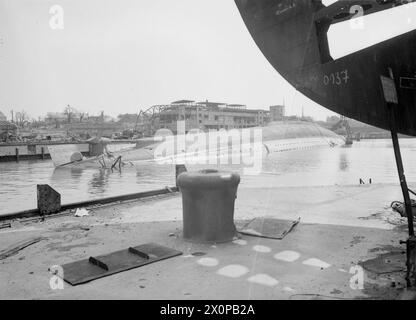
<point x="317" y="167"/>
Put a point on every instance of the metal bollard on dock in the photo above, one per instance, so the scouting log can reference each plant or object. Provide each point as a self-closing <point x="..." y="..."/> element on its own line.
<point x="179" y="168"/>
<point x="208" y="199"/>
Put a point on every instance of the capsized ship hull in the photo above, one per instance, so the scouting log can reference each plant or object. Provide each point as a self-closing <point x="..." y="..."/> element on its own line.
<point x="292" y="34"/>
<point x="276" y="137"/>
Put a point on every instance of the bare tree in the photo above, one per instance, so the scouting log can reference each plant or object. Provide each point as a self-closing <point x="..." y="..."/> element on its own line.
<point x="21" y="118"/>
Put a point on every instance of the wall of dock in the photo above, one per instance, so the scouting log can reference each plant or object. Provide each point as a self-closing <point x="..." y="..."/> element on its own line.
<point x="22" y="151"/>
<point x="39" y="150"/>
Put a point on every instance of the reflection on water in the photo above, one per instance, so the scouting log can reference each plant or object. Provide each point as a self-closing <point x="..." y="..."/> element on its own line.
<point x="343" y="162"/>
<point x="317" y="167"/>
<point x="99" y="182"/>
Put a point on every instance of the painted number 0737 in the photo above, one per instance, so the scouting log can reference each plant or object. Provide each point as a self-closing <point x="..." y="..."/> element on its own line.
<point x="336" y="78"/>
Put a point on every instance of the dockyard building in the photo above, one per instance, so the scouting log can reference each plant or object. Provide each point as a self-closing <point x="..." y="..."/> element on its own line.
<point x="211" y="116"/>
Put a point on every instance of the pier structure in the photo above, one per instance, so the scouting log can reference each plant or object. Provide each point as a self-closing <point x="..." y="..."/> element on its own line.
<point x="39" y="150"/>
<point x="306" y="264"/>
<point x="29" y="151"/>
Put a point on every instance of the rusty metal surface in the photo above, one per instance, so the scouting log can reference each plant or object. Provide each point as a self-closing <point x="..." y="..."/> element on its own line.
<point x="93" y="268"/>
<point x="292" y="34"/>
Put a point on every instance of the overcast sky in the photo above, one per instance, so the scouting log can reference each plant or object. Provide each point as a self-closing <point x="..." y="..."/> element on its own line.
<point x="122" y="56"/>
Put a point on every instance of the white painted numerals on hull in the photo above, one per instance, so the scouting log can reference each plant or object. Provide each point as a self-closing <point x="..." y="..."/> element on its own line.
<point x="336" y="78"/>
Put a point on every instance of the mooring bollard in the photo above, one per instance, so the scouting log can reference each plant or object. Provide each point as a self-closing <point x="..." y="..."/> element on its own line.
<point x="208" y="199"/>
<point x="17" y="154"/>
<point x="49" y="200"/>
<point x="179" y="168"/>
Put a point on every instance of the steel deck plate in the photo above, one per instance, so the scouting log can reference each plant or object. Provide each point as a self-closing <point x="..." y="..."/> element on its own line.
<point x="269" y="228"/>
<point x="84" y="271"/>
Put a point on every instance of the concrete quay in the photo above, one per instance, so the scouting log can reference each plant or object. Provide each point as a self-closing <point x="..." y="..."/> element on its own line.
<point x="340" y="227"/>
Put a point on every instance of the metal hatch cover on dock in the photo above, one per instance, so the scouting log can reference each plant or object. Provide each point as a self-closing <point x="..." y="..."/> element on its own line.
<point x="84" y="271"/>
<point x="269" y="228"/>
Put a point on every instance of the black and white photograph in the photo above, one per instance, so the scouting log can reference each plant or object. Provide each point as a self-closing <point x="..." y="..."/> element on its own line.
<point x="207" y="155"/>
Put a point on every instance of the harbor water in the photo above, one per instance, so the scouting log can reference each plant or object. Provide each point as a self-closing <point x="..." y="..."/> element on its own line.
<point x="367" y="159"/>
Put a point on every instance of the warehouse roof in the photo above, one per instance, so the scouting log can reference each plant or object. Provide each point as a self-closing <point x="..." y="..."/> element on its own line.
<point x="182" y="101"/>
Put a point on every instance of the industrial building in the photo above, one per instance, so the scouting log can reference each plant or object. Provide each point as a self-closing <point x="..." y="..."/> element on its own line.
<point x="277" y="113"/>
<point x="204" y="116"/>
